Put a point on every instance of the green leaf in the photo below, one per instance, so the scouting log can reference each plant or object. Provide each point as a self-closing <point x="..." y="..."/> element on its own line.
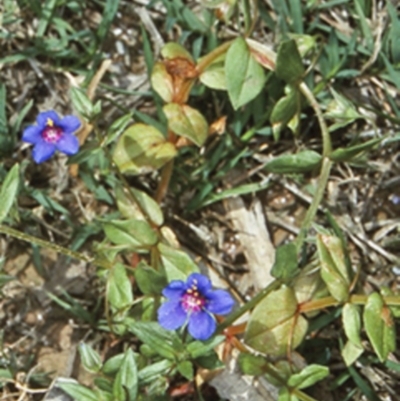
<point x="175" y="50"/>
<point x="214" y="75"/>
<point x="342" y="111"/>
<point x="257" y="365"/>
<point x="126" y="382"/>
<point x="289" y="65"/>
<point x="162" y="82"/>
<point x="304" y="43"/>
<point x="150" y="281"/>
<point x="46" y="14"/>
<point x="109" y="11"/>
<point x="285" y="395"/>
<point x="82" y="104"/>
<point x="139" y="207"/>
<point x="150" y="373"/>
<point x="347" y="154"/>
<point x="308" y="284"/>
<point x="245" y="78"/>
<point x="90" y="358"/>
<point x="187" y="122"/>
<point x="9" y="191"/>
<point x="178" y="265"/>
<point x="79" y="392"/>
<point x="285" y="265"/>
<point x="352" y="323"/>
<point x="119" y="289"/>
<point x="149" y="206"/>
<point x="308" y="376"/>
<point x="141" y="149"/>
<point x="333" y="266"/>
<point x="302" y="162"/>
<point x="275" y="324"/>
<point x="380" y="326"/>
<point x="185" y="368"/>
<point x="160" y="340"/>
<point x="200" y="348"/>
<point x="394" y="32"/>
<point x="116" y="129"/>
<point x="112" y="365"/>
<point x="136" y="234"/>
<point x="284" y="111"/>
<point x="351" y="352"/>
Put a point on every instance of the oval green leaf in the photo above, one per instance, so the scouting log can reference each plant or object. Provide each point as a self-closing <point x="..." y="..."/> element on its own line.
<point x="175" y="50"/>
<point x="352" y="323"/>
<point x="380" y="326"/>
<point x="301" y="162"/>
<point x="142" y="148"/>
<point x="245" y="77"/>
<point x="333" y="266"/>
<point x="351" y="352"/>
<point x="177" y="264"/>
<point x="132" y="233"/>
<point x="125" y="385"/>
<point x="289" y="65"/>
<point x="308" y="376"/>
<point x="274" y="324"/>
<point x="162" y="82"/>
<point x="90" y="358"/>
<point x="187" y="122"/>
<point x="119" y="288"/>
<point x="214" y="76"/>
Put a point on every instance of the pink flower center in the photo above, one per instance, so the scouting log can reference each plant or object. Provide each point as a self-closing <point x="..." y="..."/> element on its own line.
<point x="51" y="133"/>
<point x="193" y="301"/>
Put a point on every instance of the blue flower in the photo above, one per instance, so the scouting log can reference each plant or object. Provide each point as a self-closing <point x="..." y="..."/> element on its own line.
<point x="193" y="303"/>
<point x="52" y="133"/>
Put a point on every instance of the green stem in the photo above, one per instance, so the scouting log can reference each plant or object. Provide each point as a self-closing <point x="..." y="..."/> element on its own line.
<point x="356" y="299"/>
<point x="49" y="245"/>
<point x="209" y="58"/>
<point x="249" y="305"/>
<point x="301" y="396"/>
<point x="326" y="138"/>
<point x="166" y="175"/>
<point x="325" y="169"/>
<point x="247" y="16"/>
<point x="392" y="300"/>
<point x="312" y="210"/>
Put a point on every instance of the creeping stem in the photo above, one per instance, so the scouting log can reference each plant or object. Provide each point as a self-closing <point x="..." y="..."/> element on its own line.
<point x="208" y="59"/>
<point x="326" y="138"/>
<point x="356" y="299"/>
<point x="312" y="210"/>
<point x="49" y="245"/>
<point x="325" y="169"/>
<point x="249" y="305"/>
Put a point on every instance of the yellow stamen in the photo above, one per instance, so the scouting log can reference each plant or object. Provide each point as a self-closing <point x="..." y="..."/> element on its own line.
<point x="50" y="122"/>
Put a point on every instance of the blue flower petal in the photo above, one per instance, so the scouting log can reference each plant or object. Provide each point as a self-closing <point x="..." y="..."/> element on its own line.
<point x="219" y="302"/>
<point x="69" y="124"/>
<point x="68" y="144"/>
<point x="201" y="325"/>
<point x="32" y="134"/>
<point x="175" y="289"/>
<point x="43" y="151"/>
<point x="45" y="115"/>
<point x="171" y="315"/>
<point x="202" y="282"/>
